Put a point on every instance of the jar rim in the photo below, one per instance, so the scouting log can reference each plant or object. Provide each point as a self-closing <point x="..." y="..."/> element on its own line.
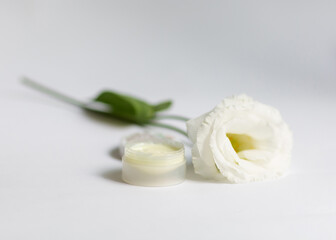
<point x="167" y="158"/>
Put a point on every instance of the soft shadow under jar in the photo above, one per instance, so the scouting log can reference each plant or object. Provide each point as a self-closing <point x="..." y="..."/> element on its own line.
<point x="156" y="162"/>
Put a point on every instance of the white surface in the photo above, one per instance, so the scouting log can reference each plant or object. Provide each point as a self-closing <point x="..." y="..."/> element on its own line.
<point x="58" y="179"/>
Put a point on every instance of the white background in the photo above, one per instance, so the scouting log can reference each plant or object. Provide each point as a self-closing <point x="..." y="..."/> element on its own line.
<point x="58" y="177"/>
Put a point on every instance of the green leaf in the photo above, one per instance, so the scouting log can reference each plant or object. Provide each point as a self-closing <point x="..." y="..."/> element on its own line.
<point x="109" y="103"/>
<point x="162" y="106"/>
<point x="129" y="108"/>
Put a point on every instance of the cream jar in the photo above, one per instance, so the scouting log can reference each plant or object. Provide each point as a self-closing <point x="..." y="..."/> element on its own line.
<point x="153" y="162"/>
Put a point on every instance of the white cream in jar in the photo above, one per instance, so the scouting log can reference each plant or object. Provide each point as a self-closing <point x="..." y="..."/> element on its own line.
<point x="156" y="162"/>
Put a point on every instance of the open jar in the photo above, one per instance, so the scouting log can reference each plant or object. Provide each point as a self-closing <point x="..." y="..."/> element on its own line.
<point x="153" y="162"/>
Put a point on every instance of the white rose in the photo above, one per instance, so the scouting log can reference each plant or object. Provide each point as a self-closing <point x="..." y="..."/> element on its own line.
<point x="240" y="140"/>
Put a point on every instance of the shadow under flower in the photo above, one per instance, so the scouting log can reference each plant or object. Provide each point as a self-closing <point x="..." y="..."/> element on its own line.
<point x="192" y="176"/>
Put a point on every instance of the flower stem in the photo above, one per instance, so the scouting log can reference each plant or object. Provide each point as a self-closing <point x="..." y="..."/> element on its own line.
<point x="162" y="125"/>
<point x="175" y="117"/>
<point x="39" y="87"/>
